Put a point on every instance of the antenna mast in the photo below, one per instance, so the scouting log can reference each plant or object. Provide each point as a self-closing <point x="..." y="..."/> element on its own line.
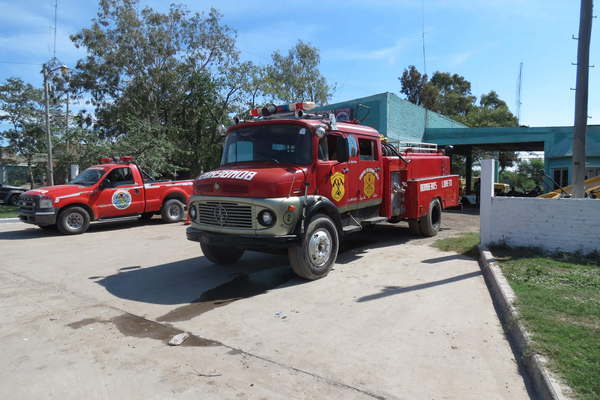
<point x="519" y="83"/>
<point x="55" y="23"/>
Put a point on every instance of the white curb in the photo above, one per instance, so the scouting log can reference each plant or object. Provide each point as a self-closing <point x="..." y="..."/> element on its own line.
<point x="545" y="385"/>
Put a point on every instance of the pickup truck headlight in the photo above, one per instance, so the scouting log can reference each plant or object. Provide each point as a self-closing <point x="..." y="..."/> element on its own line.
<point x="45" y="202"/>
<point x="266" y="218"/>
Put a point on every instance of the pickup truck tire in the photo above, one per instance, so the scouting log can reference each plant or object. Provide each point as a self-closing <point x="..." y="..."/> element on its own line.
<point x="73" y="221"/>
<point x="173" y="211"/>
<point x="317" y="251"/>
<point x="219" y="254"/>
<point x="430" y="223"/>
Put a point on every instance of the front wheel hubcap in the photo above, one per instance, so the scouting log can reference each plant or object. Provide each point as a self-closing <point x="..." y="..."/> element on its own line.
<point x="174" y="211"/>
<point x="320" y="247"/>
<point x="74" y="221"/>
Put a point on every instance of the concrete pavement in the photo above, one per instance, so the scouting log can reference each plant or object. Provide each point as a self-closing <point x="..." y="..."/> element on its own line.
<point x="89" y="315"/>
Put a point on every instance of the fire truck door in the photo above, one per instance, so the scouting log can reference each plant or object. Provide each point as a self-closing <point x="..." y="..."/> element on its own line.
<point x="370" y="174"/>
<point x="119" y="195"/>
<point x="333" y="170"/>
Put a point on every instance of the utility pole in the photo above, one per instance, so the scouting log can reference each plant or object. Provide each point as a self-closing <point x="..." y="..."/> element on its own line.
<point x="581" y="97"/>
<point x="46" y="71"/>
<point x="50" y="178"/>
<point x="519" y="83"/>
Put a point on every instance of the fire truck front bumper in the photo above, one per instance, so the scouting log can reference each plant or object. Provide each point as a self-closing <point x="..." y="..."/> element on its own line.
<point x="242" y="241"/>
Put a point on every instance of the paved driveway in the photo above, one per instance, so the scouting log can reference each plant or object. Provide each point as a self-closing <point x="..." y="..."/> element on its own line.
<point x="88" y="316"/>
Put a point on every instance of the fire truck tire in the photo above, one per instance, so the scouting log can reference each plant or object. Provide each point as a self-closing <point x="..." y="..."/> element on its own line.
<point x="413" y="226"/>
<point x="73" y="221"/>
<point x="173" y="211"/>
<point x="317" y="252"/>
<point x="13" y="200"/>
<point x="430" y="223"/>
<point x="220" y="255"/>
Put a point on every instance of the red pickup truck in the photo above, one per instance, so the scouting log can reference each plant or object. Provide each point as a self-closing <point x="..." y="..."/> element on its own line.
<point x="114" y="189"/>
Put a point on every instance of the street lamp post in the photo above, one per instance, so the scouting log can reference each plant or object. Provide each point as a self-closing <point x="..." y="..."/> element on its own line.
<point x="46" y="71"/>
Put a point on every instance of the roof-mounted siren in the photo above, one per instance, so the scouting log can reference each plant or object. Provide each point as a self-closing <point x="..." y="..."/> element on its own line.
<point x="126" y="159"/>
<point x="271" y="109"/>
<point x="106" y="160"/>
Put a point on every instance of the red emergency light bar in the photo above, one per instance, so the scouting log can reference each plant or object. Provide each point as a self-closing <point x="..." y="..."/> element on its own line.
<point x="271" y="109"/>
<point x="110" y="160"/>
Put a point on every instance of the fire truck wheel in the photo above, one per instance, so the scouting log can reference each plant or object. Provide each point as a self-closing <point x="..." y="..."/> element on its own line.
<point x="317" y="252"/>
<point x="413" y="226"/>
<point x="219" y="254"/>
<point x="430" y="223"/>
<point x="172" y="211"/>
<point x="73" y="221"/>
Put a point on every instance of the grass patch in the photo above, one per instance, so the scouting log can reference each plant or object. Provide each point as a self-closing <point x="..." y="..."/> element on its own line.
<point x="465" y="244"/>
<point x="559" y="303"/>
<point x="9" y="211"/>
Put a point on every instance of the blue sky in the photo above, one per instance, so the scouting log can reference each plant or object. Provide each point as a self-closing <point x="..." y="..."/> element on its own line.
<point x="365" y="45"/>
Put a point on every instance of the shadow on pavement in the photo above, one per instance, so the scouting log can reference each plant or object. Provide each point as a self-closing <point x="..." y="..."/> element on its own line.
<point x="446" y="258"/>
<point x="394" y="290"/>
<point x="198" y="286"/>
<point x="34" y="232"/>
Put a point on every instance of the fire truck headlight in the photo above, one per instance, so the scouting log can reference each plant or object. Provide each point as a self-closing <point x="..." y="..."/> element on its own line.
<point x="266" y="218"/>
<point x="193" y="213"/>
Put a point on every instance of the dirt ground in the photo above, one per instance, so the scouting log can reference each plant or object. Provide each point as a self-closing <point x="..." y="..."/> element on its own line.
<point x="89" y="316"/>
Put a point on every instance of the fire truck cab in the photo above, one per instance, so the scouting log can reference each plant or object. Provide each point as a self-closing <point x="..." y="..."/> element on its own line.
<point x="303" y="182"/>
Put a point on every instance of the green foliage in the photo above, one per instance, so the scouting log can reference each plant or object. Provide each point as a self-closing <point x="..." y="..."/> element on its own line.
<point x="528" y="176"/>
<point x="450" y="95"/>
<point x="159" y="82"/>
<point x="8" y="211"/>
<point x="558" y="302"/>
<point x="296" y="77"/>
<point x="465" y="243"/>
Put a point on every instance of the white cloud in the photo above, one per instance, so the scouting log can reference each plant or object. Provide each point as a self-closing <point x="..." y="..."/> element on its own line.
<point x="457" y="59"/>
<point x="388" y="54"/>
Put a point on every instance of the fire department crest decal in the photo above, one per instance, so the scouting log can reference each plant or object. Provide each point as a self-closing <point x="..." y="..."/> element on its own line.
<point x="369" y="177"/>
<point x="121" y="199"/>
<point x="337" y="186"/>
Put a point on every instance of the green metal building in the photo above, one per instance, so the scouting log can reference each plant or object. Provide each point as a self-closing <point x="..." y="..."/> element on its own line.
<point x="401" y="120"/>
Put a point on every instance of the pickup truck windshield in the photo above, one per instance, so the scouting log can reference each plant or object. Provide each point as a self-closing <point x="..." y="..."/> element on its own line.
<point x="88" y="177"/>
<point x="269" y="143"/>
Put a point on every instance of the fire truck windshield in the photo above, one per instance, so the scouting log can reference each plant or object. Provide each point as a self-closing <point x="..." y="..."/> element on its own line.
<point x="88" y="177"/>
<point x="269" y="143"/>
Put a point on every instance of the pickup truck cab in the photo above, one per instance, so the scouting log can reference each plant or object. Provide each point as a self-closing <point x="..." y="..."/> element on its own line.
<point x="112" y="190"/>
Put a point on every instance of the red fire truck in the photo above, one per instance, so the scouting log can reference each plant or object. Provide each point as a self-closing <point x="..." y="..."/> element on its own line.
<point x="113" y="190"/>
<point x="304" y="181"/>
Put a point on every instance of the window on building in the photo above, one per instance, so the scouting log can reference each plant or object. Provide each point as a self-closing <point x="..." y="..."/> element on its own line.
<point x="367" y="149"/>
<point x="561" y="177"/>
<point x="592" y="172"/>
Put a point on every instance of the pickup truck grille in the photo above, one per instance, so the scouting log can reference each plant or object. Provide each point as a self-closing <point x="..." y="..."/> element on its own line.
<point x="27" y="203"/>
<point x="225" y="214"/>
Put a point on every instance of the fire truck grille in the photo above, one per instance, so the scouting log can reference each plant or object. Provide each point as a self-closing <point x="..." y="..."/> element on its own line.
<point x="228" y="215"/>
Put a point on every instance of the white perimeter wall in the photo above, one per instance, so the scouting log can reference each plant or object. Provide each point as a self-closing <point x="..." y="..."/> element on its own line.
<point x="553" y="224"/>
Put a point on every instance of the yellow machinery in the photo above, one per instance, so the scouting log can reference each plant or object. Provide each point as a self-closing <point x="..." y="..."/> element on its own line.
<point x="591" y="186"/>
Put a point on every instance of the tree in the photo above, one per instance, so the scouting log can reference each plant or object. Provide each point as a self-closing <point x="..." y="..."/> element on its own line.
<point x="22" y="106"/>
<point x="160" y="84"/>
<point x="417" y="88"/>
<point x="296" y="77"/>
<point x="528" y="175"/>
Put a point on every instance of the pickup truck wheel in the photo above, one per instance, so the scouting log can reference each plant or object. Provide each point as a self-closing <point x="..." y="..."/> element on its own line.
<point x="430" y="223"/>
<point x="172" y="211"/>
<point x="73" y="221"/>
<point x="317" y="252"/>
<point x="219" y="254"/>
